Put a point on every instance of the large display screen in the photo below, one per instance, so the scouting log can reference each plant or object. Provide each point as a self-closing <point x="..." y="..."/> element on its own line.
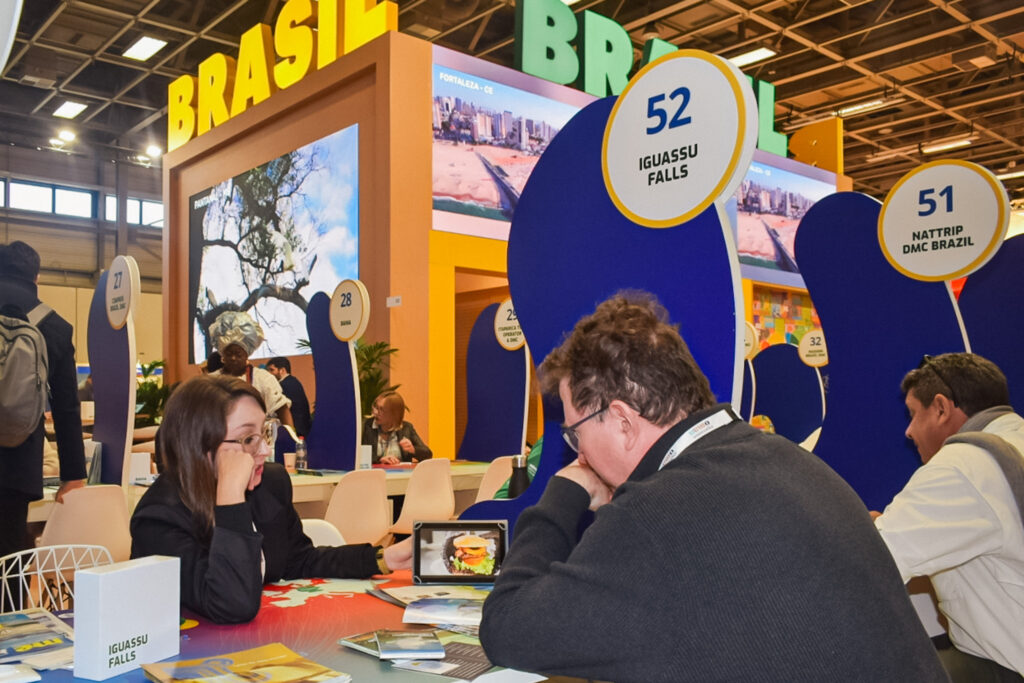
<point x="268" y="239"/>
<point x="491" y="124"/>
<point x="766" y="211"/>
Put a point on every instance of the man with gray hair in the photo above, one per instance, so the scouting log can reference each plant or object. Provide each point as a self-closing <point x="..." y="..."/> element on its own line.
<point x="958" y="519"/>
<point x="717" y="551"/>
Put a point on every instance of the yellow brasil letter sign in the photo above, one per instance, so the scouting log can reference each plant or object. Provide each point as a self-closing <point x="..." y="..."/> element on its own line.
<point x="226" y="87"/>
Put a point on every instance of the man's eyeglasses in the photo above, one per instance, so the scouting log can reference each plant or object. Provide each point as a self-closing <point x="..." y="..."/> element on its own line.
<point x="929" y="362"/>
<point x="570" y="435"/>
<point x="252" y="443"/>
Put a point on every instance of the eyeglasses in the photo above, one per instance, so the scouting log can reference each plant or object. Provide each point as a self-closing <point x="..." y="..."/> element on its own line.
<point x="929" y="362"/>
<point x="252" y="443"/>
<point x="570" y="435"/>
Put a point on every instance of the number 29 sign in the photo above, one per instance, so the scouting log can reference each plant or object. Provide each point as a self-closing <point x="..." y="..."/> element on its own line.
<point x="681" y="135"/>
<point x="350" y="310"/>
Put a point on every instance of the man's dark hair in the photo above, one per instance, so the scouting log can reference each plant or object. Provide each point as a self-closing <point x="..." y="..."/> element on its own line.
<point x="281" y="362"/>
<point x="19" y="260"/>
<point x="627" y="350"/>
<point x="973" y="383"/>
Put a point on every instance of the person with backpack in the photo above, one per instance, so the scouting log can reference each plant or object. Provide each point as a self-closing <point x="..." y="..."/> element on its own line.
<point x="958" y="519"/>
<point x="28" y="374"/>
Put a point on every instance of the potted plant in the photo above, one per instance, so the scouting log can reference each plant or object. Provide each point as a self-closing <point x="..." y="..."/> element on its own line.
<point x="150" y="395"/>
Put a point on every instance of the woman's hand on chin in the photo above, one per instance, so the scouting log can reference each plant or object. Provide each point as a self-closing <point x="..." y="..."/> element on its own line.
<point x="234" y="470"/>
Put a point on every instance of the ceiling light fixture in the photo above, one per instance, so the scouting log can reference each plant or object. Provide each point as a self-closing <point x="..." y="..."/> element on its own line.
<point x="66" y="135"/>
<point x="650" y="32"/>
<point x="56" y="142"/>
<point x="153" y="151"/>
<point x="1009" y="175"/>
<point x="69" y="109"/>
<point x="871" y="105"/>
<point x="945" y="145"/>
<point x="144" y="48"/>
<point x="570" y="2"/>
<point x="757" y="55"/>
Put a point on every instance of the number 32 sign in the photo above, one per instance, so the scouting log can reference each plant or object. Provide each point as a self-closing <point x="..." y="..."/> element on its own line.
<point x="680" y="136"/>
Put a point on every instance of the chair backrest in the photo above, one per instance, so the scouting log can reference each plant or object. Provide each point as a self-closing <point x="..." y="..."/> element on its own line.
<point x="44" y="577"/>
<point x="93" y="515"/>
<point x="498" y="472"/>
<point x="359" y="507"/>
<point x="322" y="532"/>
<point x="429" y="497"/>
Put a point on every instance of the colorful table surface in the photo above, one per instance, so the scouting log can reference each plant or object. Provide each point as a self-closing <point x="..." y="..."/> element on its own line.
<point x="308" y="616"/>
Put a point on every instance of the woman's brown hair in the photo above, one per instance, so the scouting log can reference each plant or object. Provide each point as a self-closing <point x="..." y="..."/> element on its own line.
<point x="392" y="409"/>
<point x="194" y="426"/>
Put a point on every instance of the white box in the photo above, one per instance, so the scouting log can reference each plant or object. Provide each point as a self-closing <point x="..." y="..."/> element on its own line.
<point x="364" y="458"/>
<point x="126" y="614"/>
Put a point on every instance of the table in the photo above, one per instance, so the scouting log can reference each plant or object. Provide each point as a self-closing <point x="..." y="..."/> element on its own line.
<point x="308" y="616"/>
<point x="311" y="494"/>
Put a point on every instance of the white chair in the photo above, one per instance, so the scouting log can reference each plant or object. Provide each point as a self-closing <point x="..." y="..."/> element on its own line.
<point x="359" y="507"/>
<point x="322" y="532"/>
<point x="93" y="515"/>
<point x="44" y="577"/>
<point x="429" y="497"/>
<point x="497" y="473"/>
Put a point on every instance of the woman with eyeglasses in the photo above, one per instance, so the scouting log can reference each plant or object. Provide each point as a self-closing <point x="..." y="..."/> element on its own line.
<point x="393" y="440"/>
<point x="227" y="513"/>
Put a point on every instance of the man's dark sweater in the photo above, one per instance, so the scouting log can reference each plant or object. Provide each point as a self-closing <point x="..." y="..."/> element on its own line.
<point x="744" y="559"/>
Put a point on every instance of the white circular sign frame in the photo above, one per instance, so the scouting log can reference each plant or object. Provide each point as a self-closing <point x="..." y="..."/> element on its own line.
<point x="353" y="294"/>
<point x="908" y="238"/>
<point x="750" y="348"/>
<point x="717" y="126"/>
<point x="507" y="330"/>
<point x="122" y="291"/>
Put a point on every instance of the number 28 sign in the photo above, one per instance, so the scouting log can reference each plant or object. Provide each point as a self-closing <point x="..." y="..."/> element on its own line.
<point x="350" y="310"/>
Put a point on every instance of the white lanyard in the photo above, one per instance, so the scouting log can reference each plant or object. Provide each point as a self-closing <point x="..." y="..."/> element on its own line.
<point x="697" y="431"/>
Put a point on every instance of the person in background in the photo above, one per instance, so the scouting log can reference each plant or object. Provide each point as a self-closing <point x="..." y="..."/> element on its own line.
<point x="236" y="335"/>
<point x="281" y="368"/>
<point x="21" y="467"/>
<point x="393" y="440"/>
<point x="85" y="389"/>
<point x="957" y="519"/>
<point x="213" y="362"/>
<point x="227" y="513"/>
<point x="717" y="551"/>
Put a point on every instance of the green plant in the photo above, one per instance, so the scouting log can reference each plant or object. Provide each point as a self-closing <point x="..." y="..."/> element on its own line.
<point x="373" y="362"/>
<point x="150" y="395"/>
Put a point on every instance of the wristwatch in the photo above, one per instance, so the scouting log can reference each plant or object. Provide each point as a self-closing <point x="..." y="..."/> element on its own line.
<point x="381" y="564"/>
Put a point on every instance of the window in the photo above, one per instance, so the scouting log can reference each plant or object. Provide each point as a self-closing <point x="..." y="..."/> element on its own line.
<point x="133" y="212"/>
<point x="3" y="194"/>
<point x="31" y="197"/>
<point x="73" y="202"/>
<point x="152" y="214"/>
<point x="110" y="208"/>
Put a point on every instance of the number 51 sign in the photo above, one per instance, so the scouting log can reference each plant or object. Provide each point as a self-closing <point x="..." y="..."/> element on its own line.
<point x="943" y="220"/>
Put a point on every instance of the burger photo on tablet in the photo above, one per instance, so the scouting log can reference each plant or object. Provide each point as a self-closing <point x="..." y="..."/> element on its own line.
<point x="467" y="554"/>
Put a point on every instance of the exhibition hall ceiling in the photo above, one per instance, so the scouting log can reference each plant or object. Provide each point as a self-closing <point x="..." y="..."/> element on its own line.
<point x="929" y="72"/>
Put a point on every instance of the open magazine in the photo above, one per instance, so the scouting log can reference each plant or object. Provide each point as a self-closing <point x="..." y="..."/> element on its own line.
<point x="35" y="637"/>
<point x="272" y="663"/>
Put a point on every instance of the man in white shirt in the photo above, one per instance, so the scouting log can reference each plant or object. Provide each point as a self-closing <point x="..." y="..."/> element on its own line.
<point x="957" y="519"/>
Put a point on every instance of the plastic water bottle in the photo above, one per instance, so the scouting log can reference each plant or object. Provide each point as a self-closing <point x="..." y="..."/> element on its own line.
<point x="520" y="479"/>
<point x="301" y="455"/>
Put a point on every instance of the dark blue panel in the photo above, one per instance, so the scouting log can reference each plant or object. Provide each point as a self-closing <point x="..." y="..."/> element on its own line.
<point x="877" y="323"/>
<point x="993" y="327"/>
<point x="496" y="387"/>
<point x="570" y="248"/>
<point x="788" y="391"/>
<point x="332" y="438"/>
<point x="113" y="376"/>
